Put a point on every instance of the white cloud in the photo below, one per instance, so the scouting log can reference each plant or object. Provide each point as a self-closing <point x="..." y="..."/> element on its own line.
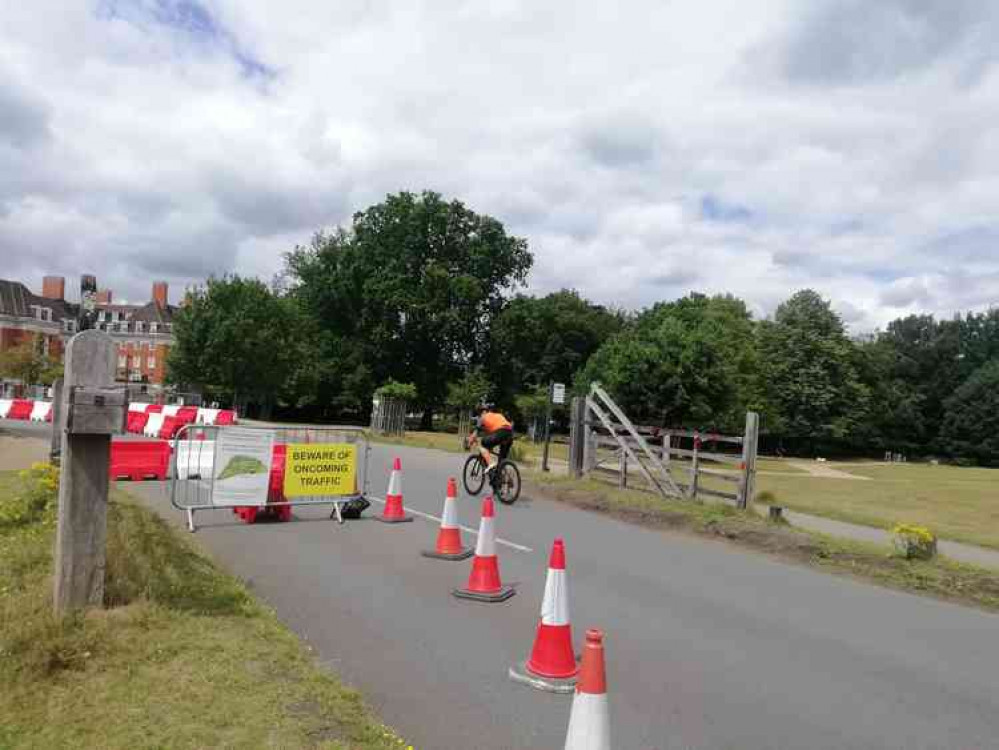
<point x="645" y="150"/>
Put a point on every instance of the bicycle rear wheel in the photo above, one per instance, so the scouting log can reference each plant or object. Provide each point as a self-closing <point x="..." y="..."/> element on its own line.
<point x="507" y="483"/>
<point x="474" y="475"/>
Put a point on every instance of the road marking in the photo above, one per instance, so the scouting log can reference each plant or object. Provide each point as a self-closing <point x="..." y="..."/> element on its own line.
<point x="514" y="545"/>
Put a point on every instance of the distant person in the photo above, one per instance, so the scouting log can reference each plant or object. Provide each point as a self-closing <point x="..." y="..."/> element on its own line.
<point x="492" y="429"/>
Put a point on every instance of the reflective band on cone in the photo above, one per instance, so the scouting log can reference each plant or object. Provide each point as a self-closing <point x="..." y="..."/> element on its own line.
<point x="393" y="512"/>
<point x="589" y="721"/>
<point x="449" y="546"/>
<point x="484" y="583"/>
<point x="552" y="664"/>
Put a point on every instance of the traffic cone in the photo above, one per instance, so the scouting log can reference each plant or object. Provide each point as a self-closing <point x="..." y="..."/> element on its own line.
<point x="484" y="583"/>
<point x="552" y="664"/>
<point x="393" y="512"/>
<point x="589" y="721"/>
<point x="449" y="545"/>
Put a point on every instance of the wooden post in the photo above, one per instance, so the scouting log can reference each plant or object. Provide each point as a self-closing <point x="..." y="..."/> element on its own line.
<point x="548" y="427"/>
<point x="622" y="481"/>
<point x="694" y="466"/>
<point x="577" y="436"/>
<point x="55" y="450"/>
<point x="750" y="440"/>
<point x="81" y="533"/>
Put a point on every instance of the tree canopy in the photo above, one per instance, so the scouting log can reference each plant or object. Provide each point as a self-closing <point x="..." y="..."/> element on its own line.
<point x="238" y="339"/>
<point x="408" y="292"/>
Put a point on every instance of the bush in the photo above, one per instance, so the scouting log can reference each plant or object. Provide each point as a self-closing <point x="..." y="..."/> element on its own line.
<point x="36" y="500"/>
<point x="913" y="542"/>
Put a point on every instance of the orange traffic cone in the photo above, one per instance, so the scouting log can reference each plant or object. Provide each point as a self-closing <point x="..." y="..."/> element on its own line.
<point x="552" y="664"/>
<point x="449" y="545"/>
<point x="393" y="512"/>
<point x="484" y="583"/>
<point x="589" y="721"/>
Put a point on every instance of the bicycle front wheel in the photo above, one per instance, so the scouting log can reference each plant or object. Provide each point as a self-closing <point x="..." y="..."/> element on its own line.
<point x="474" y="475"/>
<point x="508" y="483"/>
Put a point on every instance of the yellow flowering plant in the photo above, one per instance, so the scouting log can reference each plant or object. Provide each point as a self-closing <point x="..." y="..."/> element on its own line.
<point x="35" y="500"/>
<point x="914" y="542"/>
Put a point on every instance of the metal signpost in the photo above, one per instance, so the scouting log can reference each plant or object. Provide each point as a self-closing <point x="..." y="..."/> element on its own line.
<point x="556" y="395"/>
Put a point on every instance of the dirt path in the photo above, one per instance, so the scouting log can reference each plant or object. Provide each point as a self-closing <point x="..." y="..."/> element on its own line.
<point x="817" y="469"/>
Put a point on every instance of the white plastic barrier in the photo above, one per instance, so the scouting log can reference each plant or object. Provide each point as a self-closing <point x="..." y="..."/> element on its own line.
<point x="137" y="406"/>
<point x="40" y="411"/>
<point x="171" y="410"/>
<point x="195" y="458"/>
<point x="207" y="416"/>
<point x="5" y="404"/>
<point x="154" y="425"/>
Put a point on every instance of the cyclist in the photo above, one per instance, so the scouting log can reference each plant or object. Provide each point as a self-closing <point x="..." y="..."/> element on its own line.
<point x="492" y="429"/>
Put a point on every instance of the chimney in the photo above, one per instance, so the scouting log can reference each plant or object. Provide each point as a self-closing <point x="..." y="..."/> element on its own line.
<point x="160" y="293"/>
<point x="54" y="287"/>
<point x="104" y="297"/>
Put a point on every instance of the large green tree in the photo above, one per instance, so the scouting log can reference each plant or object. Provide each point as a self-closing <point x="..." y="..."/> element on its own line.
<point x="236" y="338"/>
<point x="537" y="340"/>
<point x="810" y="371"/>
<point x="971" y="425"/>
<point x="409" y="292"/>
<point x="689" y="362"/>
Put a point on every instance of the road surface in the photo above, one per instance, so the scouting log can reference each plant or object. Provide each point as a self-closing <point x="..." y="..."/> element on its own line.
<point x="708" y="646"/>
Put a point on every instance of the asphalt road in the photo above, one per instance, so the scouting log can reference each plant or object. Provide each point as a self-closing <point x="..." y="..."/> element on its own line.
<point x="708" y="646"/>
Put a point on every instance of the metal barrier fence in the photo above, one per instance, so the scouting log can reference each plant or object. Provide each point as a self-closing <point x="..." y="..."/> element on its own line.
<point x="215" y="467"/>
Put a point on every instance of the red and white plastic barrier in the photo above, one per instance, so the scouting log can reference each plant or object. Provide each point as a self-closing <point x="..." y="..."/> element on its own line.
<point x="41" y="411"/>
<point x="5" y="404"/>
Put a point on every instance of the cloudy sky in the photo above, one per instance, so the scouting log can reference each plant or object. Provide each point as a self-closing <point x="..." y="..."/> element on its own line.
<point x="645" y="149"/>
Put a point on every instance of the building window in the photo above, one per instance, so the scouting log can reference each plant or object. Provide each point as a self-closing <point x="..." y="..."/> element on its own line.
<point x="153" y="327"/>
<point x="100" y="316"/>
<point x="122" y="361"/>
<point x="139" y="326"/>
<point x="151" y="363"/>
<point x="136" y="362"/>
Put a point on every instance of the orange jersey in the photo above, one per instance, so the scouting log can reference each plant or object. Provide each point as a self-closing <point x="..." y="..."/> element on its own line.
<point x="492" y="421"/>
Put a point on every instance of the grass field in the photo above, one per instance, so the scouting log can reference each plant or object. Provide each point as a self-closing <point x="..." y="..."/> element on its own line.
<point x="957" y="503"/>
<point x="185" y="657"/>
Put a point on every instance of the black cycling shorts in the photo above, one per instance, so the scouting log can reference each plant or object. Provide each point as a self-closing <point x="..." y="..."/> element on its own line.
<point x="502" y="437"/>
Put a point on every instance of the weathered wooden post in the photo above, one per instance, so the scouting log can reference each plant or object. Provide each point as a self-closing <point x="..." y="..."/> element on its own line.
<point x="91" y="411"/>
<point x="695" y="467"/>
<point x="750" y="441"/>
<point x="577" y="436"/>
<point x="55" y="448"/>
<point x="622" y="481"/>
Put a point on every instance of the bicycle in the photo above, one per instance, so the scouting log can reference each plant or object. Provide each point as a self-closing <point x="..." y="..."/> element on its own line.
<point x="505" y="478"/>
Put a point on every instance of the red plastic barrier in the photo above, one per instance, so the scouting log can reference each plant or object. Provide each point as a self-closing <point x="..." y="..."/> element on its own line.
<point x="137" y="421"/>
<point x="139" y="459"/>
<point x="169" y="428"/>
<point x="20" y="408"/>
<point x="275" y="493"/>
<point x="226" y="416"/>
<point x="187" y="414"/>
<point x="154" y="408"/>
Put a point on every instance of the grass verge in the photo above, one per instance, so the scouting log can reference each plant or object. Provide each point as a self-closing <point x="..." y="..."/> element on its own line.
<point x="958" y="503"/>
<point x="182" y="657"/>
<point x="939" y="578"/>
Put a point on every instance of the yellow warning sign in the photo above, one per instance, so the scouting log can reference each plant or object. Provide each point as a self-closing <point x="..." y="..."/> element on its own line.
<point x="320" y="469"/>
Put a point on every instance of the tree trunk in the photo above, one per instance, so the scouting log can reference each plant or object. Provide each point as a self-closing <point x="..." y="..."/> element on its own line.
<point x="427" y="421"/>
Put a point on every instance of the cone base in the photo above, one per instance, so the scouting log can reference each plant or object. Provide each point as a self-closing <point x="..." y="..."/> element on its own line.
<point x="403" y="519"/>
<point x="465" y="553"/>
<point x="564" y="686"/>
<point x="502" y="595"/>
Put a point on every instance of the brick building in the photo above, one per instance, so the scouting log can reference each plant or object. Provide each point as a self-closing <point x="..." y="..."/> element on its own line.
<point x="142" y="333"/>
